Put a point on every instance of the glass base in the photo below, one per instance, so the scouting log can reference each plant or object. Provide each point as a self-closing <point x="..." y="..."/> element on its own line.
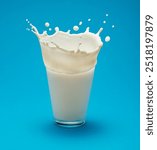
<point x="70" y="124"/>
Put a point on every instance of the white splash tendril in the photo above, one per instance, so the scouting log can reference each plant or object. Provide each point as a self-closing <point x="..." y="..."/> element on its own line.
<point x="87" y="29"/>
<point x="44" y="33"/>
<point x="68" y="31"/>
<point x="34" y="29"/>
<point x="100" y="30"/>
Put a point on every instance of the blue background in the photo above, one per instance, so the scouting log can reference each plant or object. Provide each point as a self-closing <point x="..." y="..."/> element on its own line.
<point x="26" y="120"/>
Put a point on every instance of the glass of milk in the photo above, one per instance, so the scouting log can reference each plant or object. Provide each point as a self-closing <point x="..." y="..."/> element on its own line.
<point x="70" y="60"/>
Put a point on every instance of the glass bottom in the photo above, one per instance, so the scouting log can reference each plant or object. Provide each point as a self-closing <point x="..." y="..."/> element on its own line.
<point x="70" y="124"/>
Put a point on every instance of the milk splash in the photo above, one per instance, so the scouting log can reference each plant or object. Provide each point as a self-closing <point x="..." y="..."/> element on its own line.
<point x="67" y="52"/>
<point x="75" y="28"/>
<point x="86" y="42"/>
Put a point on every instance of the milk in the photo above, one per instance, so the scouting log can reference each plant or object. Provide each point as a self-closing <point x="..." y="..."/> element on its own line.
<point x="70" y="61"/>
<point x="70" y="95"/>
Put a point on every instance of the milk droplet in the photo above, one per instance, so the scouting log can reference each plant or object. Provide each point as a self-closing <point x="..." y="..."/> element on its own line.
<point x="107" y="38"/>
<point x="112" y="26"/>
<point x="47" y="24"/>
<point x="80" y="23"/>
<point x="50" y="29"/>
<point x="106" y="15"/>
<point x="89" y="19"/>
<point x="27" y="21"/>
<point x="56" y="29"/>
<point x="75" y="28"/>
<point x="27" y="29"/>
<point x="104" y="21"/>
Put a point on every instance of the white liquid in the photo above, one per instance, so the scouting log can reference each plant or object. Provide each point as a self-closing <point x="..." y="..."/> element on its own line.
<point x="70" y="60"/>
<point x="47" y="24"/>
<point x="27" y="20"/>
<point x="106" y="15"/>
<point x="104" y="21"/>
<point x="56" y="29"/>
<point x="68" y="31"/>
<point x="112" y="26"/>
<point x="69" y="53"/>
<point x="70" y="94"/>
<point x="75" y="28"/>
<point x="80" y="23"/>
<point x="89" y="19"/>
<point x="100" y="30"/>
<point x="107" y="38"/>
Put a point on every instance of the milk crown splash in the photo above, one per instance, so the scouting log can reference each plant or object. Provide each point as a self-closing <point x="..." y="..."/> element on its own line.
<point x="69" y="53"/>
